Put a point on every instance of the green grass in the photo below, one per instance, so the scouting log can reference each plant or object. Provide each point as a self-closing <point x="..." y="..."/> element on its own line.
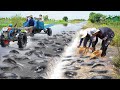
<point x="13" y="20"/>
<point x="4" y="22"/>
<point x="61" y="21"/>
<point x="75" y="21"/>
<point x="114" y="27"/>
<point x="116" y="61"/>
<point x="115" y="42"/>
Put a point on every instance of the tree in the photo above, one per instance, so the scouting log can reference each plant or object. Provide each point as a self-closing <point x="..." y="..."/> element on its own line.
<point x="46" y="17"/>
<point x="96" y="17"/>
<point x="91" y="17"/>
<point x="65" y="18"/>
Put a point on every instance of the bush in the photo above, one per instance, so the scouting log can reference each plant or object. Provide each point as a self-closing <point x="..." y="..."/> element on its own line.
<point x="116" y="61"/>
<point x="96" y="17"/>
<point x="4" y="22"/>
<point x="116" y="40"/>
<point x="17" y="20"/>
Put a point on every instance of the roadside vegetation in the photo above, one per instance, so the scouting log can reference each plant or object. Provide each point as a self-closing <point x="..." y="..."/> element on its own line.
<point x="98" y="20"/>
<point x="19" y="20"/>
<point x="95" y="20"/>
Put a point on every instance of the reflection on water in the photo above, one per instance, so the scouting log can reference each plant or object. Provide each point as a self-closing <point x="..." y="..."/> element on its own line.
<point x="56" y="29"/>
<point x="65" y="24"/>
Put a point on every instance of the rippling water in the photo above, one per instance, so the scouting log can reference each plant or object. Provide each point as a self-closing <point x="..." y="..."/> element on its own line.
<point x="56" y="64"/>
<point x="69" y="52"/>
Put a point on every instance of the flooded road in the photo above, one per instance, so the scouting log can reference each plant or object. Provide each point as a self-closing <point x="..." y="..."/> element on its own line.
<point x="33" y="62"/>
<point x="53" y="57"/>
<point x="56" y="29"/>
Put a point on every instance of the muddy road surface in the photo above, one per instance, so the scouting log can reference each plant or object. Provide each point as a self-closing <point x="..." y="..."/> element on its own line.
<point x="33" y="62"/>
<point x="53" y="57"/>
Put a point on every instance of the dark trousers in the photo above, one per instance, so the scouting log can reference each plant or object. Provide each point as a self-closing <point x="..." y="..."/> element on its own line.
<point x="94" y="44"/>
<point x="104" y="45"/>
<point x="86" y="39"/>
<point x="36" y="30"/>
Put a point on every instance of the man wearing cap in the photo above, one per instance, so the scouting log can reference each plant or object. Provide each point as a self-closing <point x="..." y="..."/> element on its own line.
<point x="104" y="33"/>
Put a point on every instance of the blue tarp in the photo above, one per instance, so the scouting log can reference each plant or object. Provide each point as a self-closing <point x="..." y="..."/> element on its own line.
<point x="38" y="25"/>
<point x="25" y="24"/>
<point x="47" y="26"/>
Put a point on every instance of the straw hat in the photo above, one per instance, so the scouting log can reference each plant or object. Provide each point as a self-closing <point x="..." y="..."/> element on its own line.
<point x="83" y="33"/>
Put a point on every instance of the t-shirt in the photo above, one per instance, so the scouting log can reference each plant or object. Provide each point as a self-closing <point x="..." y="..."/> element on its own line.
<point x="90" y="31"/>
<point x="31" y="22"/>
<point x="105" y="32"/>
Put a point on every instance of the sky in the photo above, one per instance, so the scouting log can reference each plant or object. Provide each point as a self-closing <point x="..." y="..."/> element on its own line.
<point x="57" y="14"/>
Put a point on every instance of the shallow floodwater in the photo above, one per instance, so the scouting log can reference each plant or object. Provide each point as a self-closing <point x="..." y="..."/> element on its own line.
<point x="29" y="59"/>
<point x="56" y="29"/>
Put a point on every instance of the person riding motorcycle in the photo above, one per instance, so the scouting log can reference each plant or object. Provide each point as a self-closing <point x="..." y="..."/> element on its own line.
<point x="12" y="32"/>
<point x="10" y="27"/>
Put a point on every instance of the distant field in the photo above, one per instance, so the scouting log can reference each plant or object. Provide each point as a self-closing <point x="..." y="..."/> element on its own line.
<point x="20" y="20"/>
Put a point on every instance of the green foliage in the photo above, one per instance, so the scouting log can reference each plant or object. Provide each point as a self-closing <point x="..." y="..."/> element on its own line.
<point x="65" y="18"/>
<point x="17" y="19"/>
<point x="46" y="18"/>
<point x="103" y="19"/>
<point x="4" y="22"/>
<point x="116" y="40"/>
<point x="96" y="17"/>
<point x="116" y="61"/>
<point x="76" y="20"/>
<point x="113" y="22"/>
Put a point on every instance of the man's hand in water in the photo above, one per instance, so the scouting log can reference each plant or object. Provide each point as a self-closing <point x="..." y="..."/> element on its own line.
<point x="91" y="48"/>
<point x="87" y="47"/>
<point x="78" y="46"/>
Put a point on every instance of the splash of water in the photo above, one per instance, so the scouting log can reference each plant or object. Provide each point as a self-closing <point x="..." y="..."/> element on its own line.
<point x="69" y="51"/>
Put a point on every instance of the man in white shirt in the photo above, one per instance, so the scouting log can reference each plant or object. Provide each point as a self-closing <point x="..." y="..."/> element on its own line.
<point x="86" y="35"/>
